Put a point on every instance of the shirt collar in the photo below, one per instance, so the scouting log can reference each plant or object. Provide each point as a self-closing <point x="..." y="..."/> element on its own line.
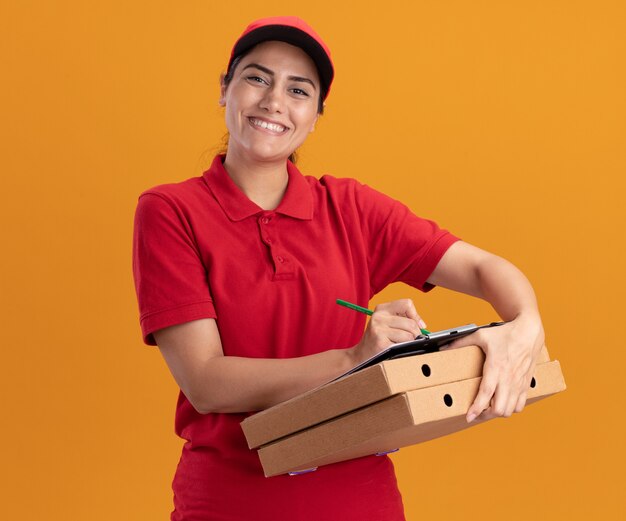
<point x="297" y="201"/>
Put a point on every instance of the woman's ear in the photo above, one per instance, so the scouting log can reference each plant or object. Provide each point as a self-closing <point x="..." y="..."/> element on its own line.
<point x="222" y="100"/>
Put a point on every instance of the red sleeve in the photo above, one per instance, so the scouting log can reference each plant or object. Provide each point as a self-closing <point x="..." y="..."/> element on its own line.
<point x="170" y="278"/>
<point x="402" y="247"/>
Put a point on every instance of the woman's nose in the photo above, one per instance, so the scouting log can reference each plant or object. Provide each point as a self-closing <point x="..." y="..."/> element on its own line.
<point x="273" y="100"/>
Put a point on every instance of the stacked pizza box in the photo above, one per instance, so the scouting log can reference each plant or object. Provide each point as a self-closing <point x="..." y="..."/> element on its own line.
<point x="379" y="409"/>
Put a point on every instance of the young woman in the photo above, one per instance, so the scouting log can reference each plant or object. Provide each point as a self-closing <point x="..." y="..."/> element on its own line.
<point x="237" y="272"/>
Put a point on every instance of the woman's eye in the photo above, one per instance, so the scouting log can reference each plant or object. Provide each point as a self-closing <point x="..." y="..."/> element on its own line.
<point x="256" y="79"/>
<point x="300" y="92"/>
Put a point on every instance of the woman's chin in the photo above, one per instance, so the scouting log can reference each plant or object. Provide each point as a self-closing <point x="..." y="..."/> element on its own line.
<point x="263" y="155"/>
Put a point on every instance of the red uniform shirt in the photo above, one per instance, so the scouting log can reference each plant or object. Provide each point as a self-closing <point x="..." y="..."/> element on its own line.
<point x="202" y="249"/>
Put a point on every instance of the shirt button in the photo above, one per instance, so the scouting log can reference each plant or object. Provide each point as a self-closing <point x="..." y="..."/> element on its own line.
<point x="280" y="259"/>
<point x="268" y="240"/>
<point x="265" y="220"/>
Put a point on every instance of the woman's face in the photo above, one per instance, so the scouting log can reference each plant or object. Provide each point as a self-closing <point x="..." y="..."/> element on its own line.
<point x="271" y="102"/>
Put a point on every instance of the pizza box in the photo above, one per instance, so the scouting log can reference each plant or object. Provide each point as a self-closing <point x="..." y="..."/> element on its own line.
<point x="397" y="421"/>
<point x="363" y="388"/>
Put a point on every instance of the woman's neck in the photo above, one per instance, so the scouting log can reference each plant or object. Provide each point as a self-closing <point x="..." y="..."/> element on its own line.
<point x="263" y="183"/>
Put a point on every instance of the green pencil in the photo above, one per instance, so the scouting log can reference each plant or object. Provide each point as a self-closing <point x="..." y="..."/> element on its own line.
<point x="368" y="312"/>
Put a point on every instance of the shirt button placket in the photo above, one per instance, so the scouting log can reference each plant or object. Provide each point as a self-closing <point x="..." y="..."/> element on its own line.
<point x="281" y="264"/>
<point x="264" y="223"/>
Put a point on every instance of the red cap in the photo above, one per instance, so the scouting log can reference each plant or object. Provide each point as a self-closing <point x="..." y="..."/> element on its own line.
<point x="292" y="30"/>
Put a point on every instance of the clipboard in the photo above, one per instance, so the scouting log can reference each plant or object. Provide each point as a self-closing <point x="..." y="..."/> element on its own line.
<point x="422" y="344"/>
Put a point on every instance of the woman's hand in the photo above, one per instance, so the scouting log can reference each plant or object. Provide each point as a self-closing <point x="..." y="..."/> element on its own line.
<point x="392" y="322"/>
<point x="511" y="349"/>
<point x="511" y="352"/>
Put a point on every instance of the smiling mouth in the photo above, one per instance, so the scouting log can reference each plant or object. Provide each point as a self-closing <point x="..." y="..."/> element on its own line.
<point x="272" y="127"/>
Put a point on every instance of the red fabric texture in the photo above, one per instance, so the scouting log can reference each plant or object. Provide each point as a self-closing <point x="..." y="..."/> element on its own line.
<point x="202" y="249"/>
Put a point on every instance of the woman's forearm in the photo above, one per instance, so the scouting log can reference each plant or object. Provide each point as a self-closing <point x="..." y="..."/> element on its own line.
<point x="506" y="288"/>
<point x="468" y="269"/>
<point x="512" y="349"/>
<point x="213" y="382"/>
<point x="236" y="384"/>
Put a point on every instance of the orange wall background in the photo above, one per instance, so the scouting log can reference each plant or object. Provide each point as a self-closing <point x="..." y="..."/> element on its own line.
<point x="503" y="121"/>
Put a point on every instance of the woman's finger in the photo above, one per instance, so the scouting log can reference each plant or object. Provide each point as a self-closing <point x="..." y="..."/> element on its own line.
<point x="411" y="312"/>
<point x="511" y="404"/>
<point x="486" y="415"/>
<point x="387" y="329"/>
<point x="402" y="307"/>
<point x="521" y="400"/>
<point x="395" y="336"/>
<point x="486" y="391"/>
<point x="401" y="323"/>
<point x="501" y="397"/>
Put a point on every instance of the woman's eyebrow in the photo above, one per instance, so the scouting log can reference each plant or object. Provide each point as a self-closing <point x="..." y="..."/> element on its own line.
<point x="271" y="73"/>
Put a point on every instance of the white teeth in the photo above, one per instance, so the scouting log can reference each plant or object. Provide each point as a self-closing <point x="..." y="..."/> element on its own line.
<point x="269" y="126"/>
